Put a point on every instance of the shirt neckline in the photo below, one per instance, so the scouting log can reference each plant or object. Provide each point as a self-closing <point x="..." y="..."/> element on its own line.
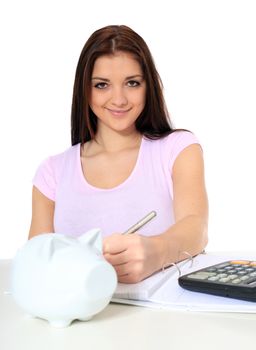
<point x="122" y="184"/>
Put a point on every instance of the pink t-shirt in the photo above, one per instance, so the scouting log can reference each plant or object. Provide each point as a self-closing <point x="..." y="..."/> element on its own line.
<point x="80" y="206"/>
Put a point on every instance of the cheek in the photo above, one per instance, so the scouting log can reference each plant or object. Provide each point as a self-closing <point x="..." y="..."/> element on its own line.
<point x="138" y="99"/>
<point x="96" y="100"/>
<point x="141" y="101"/>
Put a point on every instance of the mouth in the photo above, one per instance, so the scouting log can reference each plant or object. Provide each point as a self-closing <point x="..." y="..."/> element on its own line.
<point x="118" y="112"/>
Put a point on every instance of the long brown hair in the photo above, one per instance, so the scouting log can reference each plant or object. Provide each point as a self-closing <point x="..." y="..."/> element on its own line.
<point x="153" y="121"/>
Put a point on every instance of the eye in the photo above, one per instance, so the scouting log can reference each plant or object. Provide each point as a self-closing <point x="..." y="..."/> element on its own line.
<point x="133" y="83"/>
<point x="101" y="85"/>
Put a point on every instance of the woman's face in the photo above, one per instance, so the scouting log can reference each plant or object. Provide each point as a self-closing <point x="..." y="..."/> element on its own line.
<point x="118" y="91"/>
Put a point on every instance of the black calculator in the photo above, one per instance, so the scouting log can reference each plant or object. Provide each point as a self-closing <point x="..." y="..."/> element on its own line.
<point x="233" y="279"/>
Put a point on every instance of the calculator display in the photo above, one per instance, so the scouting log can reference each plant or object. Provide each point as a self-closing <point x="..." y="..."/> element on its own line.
<point x="234" y="279"/>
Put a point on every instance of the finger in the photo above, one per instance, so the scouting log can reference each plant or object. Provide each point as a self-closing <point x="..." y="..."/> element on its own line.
<point x="122" y="269"/>
<point x="114" y="244"/>
<point x="130" y="271"/>
<point x="129" y="278"/>
<point x="124" y="279"/>
<point x="116" y="259"/>
<point x="132" y="277"/>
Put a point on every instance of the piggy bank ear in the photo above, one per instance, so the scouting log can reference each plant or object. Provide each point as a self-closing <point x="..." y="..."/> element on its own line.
<point x="52" y="244"/>
<point x="92" y="238"/>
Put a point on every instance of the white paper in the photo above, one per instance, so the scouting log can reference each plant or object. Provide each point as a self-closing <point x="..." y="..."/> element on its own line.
<point x="165" y="293"/>
<point x="146" y="288"/>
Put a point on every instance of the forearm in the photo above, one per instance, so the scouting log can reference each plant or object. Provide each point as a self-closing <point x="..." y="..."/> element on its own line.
<point x="187" y="235"/>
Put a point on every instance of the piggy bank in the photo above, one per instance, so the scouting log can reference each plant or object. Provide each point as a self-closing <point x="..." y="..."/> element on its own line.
<point x="60" y="278"/>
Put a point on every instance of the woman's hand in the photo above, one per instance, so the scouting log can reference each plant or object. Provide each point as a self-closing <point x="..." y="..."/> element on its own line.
<point x="133" y="256"/>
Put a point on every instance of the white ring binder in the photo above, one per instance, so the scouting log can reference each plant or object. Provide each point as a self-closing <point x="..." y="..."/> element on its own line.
<point x="190" y="258"/>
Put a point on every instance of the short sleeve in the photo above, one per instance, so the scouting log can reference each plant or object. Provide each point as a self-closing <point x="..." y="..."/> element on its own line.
<point x="44" y="179"/>
<point x="177" y="142"/>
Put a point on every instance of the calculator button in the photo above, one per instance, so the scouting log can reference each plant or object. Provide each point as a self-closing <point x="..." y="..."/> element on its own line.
<point x="198" y="276"/>
<point x="202" y="274"/>
<point x="240" y="262"/>
<point x="241" y="273"/>
<point x="227" y="268"/>
<point x="249" y="269"/>
<point x="205" y="273"/>
<point x="244" y="278"/>
<point x="213" y="278"/>
<point x="237" y="280"/>
<point x="232" y="277"/>
<point x="221" y="270"/>
<point x="221" y="275"/>
<point x="211" y="269"/>
<point x="224" y="279"/>
<point x="253" y="274"/>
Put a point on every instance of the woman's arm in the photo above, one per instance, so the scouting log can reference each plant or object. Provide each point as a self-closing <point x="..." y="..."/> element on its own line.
<point x="135" y="257"/>
<point x="190" y="207"/>
<point x="42" y="214"/>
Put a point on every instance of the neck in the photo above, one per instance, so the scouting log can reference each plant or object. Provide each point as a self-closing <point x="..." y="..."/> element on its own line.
<point x="112" y="141"/>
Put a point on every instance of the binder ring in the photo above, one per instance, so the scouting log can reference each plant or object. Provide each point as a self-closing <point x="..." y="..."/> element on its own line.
<point x="190" y="257"/>
<point x="172" y="264"/>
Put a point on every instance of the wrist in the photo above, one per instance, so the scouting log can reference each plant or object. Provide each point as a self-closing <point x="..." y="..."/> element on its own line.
<point x="162" y="251"/>
<point x="168" y="249"/>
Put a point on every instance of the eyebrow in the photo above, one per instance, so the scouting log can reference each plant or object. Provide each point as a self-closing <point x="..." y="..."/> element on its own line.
<point x="127" y="78"/>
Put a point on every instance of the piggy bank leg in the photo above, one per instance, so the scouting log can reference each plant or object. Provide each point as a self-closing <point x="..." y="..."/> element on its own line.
<point x="85" y="318"/>
<point x="60" y="323"/>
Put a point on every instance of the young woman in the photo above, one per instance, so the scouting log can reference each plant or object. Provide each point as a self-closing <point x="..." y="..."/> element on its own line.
<point x="126" y="160"/>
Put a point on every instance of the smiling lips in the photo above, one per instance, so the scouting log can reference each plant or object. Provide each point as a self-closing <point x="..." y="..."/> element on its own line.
<point x="118" y="112"/>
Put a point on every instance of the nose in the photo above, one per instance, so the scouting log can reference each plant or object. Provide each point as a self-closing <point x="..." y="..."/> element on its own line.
<point x="119" y="98"/>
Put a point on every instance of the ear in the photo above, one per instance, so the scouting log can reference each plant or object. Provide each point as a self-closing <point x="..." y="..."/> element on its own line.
<point x="52" y="244"/>
<point x="92" y="238"/>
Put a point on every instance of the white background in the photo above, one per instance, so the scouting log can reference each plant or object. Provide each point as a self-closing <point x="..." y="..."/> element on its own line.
<point x="205" y="53"/>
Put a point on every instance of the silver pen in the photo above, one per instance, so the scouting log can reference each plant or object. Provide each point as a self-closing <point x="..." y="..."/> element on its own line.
<point x="141" y="223"/>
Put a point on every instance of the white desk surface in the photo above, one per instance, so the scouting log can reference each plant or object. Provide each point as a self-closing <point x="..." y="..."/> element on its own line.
<point x="124" y="327"/>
